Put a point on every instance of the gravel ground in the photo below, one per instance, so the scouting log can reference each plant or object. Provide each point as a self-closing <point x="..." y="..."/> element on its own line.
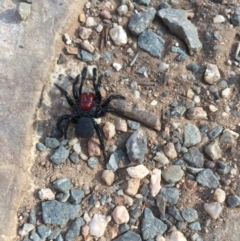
<point x="179" y="62"/>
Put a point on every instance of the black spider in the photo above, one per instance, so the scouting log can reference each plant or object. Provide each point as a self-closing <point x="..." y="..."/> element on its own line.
<point x="86" y="107"/>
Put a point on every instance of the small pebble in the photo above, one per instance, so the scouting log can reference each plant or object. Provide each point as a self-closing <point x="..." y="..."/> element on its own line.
<point x="109" y="130"/>
<point x="108" y="177"/>
<point x="117" y="66"/>
<point x="120" y="215"/>
<point x="213" y="209"/>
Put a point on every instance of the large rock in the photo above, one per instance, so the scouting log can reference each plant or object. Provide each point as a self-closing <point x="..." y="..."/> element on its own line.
<point x="21" y="91"/>
<point x="57" y="213"/>
<point x="151" y="226"/>
<point x="178" y="23"/>
<point x="140" y="21"/>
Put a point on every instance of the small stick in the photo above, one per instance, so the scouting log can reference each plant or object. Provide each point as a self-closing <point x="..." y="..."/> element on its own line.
<point x="138" y="113"/>
<point x="134" y="59"/>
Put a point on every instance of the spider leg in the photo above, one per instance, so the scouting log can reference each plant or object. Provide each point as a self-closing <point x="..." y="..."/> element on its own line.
<point x="64" y="92"/>
<point x="97" y="86"/>
<point x="74" y="89"/>
<point x="84" y="73"/>
<point x="100" y="137"/>
<point x="111" y="97"/>
<point x="64" y="129"/>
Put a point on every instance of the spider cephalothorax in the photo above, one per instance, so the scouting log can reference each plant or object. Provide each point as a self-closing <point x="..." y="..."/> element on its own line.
<point x="86" y="107"/>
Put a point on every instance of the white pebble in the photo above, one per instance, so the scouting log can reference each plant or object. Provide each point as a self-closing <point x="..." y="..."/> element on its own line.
<point x="120" y="215"/>
<point x="213" y="108"/>
<point x="136" y="94"/>
<point x="118" y="35"/>
<point x="83" y="156"/>
<point x="139" y="171"/>
<point x="153" y="103"/>
<point x="226" y="93"/>
<point x="99" y="28"/>
<point x="155" y="182"/>
<point x="196" y="99"/>
<point x="67" y="39"/>
<point x="77" y="148"/>
<point x="90" y="22"/>
<point x="163" y="67"/>
<point x="46" y="194"/>
<point x="98" y="224"/>
<point x="219" y="19"/>
<point x="73" y="141"/>
<point x="117" y="66"/>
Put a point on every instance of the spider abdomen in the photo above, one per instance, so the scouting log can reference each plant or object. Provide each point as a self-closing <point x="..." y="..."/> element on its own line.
<point x="84" y="127"/>
<point x="87" y="101"/>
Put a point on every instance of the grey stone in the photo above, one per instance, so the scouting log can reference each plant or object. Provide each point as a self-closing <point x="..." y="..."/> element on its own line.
<point x="74" y="157"/>
<point x="63" y="197"/>
<point x="142" y="70"/>
<point x="92" y="162"/>
<point x="223" y="168"/>
<point x="174" y="212"/>
<point x="41" y="146"/>
<point x="133" y="125"/>
<point x="103" y="199"/>
<point x="139" y="21"/>
<point x="233" y="201"/>
<point x="194" y="157"/>
<point x="107" y="56"/>
<point x="172" y="174"/>
<point x="51" y="142"/>
<point x="171" y="194"/>
<point x="151" y="42"/>
<point x="235" y="20"/>
<point x="57" y="213"/>
<point x="59" y="155"/>
<point x="151" y="226"/>
<point x="62" y="185"/>
<point x="182" y="54"/>
<point x="144" y="190"/>
<point x="32" y="216"/>
<point x="43" y="231"/>
<point x="137" y="146"/>
<point x="215" y="132"/>
<point x="191" y="135"/>
<point x="129" y="235"/>
<point x="54" y="233"/>
<point x="116" y="159"/>
<point x="143" y="2"/>
<point x="189" y="214"/>
<point x="85" y="56"/>
<point x="195" y="226"/>
<point x="123" y="228"/>
<point x="76" y="196"/>
<point x="178" y="111"/>
<point x="194" y="68"/>
<point x="59" y="238"/>
<point x="178" y="23"/>
<point x="24" y="10"/>
<point x="74" y="230"/>
<point x="34" y="236"/>
<point x="135" y="213"/>
<point x="207" y="179"/>
<point x="61" y="59"/>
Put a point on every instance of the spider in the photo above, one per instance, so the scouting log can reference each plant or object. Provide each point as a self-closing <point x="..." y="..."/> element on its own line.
<point x="86" y="107"/>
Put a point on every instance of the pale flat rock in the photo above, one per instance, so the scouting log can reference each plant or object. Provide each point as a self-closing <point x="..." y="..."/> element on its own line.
<point x="229" y="136"/>
<point x="170" y="151"/>
<point x="196" y="113"/>
<point x="213" y="150"/>
<point x="139" y="171"/>
<point x="155" y="182"/>
<point x="213" y="209"/>
<point x="132" y="186"/>
<point x="108" y="177"/>
<point x="109" y="130"/>
<point x="161" y="158"/>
